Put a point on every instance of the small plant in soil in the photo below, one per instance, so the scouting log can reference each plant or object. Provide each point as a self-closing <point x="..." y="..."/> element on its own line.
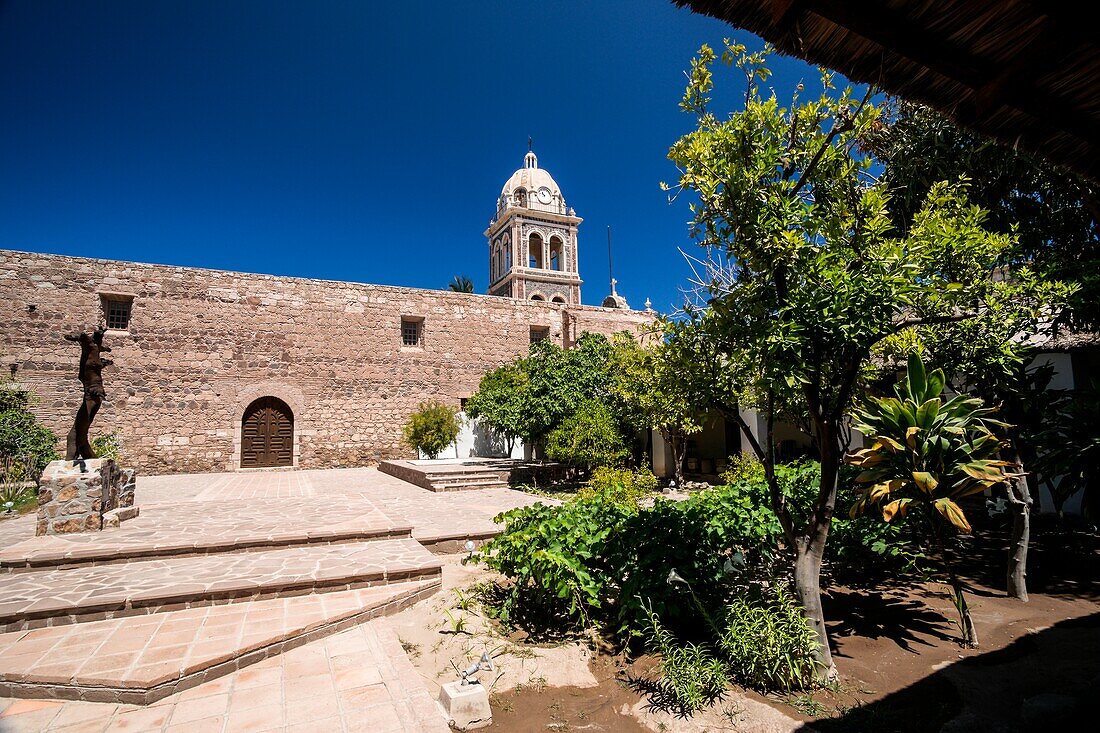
<point x="456" y="624"/>
<point x="805" y="704"/>
<point x="410" y="648"/>
<point x="463" y="601"/>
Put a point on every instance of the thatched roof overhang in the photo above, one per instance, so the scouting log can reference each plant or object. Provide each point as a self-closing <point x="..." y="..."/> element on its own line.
<point x="1024" y="72"/>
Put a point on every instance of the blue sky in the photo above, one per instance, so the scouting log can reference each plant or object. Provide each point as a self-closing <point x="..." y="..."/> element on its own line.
<point x="362" y="141"/>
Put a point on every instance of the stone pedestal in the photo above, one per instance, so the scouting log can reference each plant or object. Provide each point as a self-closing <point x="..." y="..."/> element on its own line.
<point x="466" y="706"/>
<point x="74" y="496"/>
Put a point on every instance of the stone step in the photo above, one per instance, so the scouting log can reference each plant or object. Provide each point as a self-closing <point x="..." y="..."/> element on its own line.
<point x="141" y="659"/>
<point x="195" y="529"/>
<point x="53" y="597"/>
<point x="471" y="474"/>
<point x="456" y="476"/>
<point x="467" y="485"/>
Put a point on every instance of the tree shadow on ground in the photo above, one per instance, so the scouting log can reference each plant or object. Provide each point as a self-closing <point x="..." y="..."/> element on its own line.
<point x="876" y="616"/>
<point x="1046" y="680"/>
<point x="1063" y="556"/>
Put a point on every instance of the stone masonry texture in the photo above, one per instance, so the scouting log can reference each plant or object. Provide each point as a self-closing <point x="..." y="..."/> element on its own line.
<point x="71" y="496"/>
<point x="203" y="344"/>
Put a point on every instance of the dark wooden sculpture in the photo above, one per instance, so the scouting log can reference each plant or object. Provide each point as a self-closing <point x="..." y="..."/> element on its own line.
<point x="77" y="445"/>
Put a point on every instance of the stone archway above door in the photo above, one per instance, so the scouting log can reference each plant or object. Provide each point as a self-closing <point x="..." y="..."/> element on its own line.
<point x="293" y="400"/>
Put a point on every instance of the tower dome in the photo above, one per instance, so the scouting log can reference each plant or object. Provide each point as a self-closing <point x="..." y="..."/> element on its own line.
<point x="533" y="188"/>
<point x="533" y="239"/>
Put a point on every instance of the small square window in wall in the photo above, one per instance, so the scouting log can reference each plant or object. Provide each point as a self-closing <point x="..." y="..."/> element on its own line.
<point x="117" y="310"/>
<point x="412" y="332"/>
<point x="539" y="333"/>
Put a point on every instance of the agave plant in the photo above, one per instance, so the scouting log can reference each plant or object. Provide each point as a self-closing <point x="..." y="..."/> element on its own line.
<point x="925" y="455"/>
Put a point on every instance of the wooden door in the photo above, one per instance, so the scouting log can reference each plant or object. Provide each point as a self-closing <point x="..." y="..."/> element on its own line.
<point x="267" y="434"/>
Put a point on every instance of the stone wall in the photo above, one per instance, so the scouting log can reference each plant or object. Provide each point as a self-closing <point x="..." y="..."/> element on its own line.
<point x="202" y="344"/>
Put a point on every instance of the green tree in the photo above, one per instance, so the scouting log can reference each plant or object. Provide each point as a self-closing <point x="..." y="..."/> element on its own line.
<point x="21" y="435"/>
<point x="654" y="388"/>
<point x="1054" y="217"/>
<point x="807" y="274"/>
<point x="461" y="284"/>
<point x="588" y="438"/>
<point x="499" y="402"/>
<point x="926" y="455"/>
<point x="1053" y="212"/>
<point x="432" y="428"/>
<point x="531" y="397"/>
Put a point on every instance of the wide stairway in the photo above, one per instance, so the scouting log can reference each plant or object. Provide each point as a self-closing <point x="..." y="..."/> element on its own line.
<point x="192" y="591"/>
<point x="453" y="474"/>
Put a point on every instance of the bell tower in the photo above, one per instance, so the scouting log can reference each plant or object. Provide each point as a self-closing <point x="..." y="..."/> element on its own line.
<point x="533" y="239"/>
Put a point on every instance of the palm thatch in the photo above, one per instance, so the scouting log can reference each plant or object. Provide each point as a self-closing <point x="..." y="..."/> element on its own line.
<point x="1022" y="71"/>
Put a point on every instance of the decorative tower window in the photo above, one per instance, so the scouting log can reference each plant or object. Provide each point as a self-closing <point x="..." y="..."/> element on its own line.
<point x="555" y="254"/>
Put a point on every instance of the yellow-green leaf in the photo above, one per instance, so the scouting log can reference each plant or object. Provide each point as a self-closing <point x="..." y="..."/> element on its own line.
<point x="925" y="481"/>
<point x="883" y="441"/>
<point x="878" y="492"/>
<point x="953" y="513"/>
<point x="896" y="507"/>
<point x="857" y="508"/>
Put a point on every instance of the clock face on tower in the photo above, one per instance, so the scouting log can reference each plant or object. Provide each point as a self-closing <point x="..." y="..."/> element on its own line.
<point x="544" y="195"/>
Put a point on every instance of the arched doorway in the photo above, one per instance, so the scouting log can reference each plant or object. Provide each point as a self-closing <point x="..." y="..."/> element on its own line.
<point x="267" y="434"/>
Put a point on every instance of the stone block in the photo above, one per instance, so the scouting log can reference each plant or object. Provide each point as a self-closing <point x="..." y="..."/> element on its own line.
<point x="466" y="706"/>
<point x="115" y="517"/>
<point x="127" y="484"/>
<point x="74" y="495"/>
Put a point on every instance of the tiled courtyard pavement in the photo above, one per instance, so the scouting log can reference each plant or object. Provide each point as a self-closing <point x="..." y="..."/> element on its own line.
<point x="358" y="679"/>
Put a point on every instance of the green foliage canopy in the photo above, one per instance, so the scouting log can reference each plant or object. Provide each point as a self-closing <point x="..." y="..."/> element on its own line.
<point x="1053" y="213"/>
<point x="807" y="273"/>
<point x="531" y="397"/>
<point x="21" y="435"/>
<point x="589" y="437"/>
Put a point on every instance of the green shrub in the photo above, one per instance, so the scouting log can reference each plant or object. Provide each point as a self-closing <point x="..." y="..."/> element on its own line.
<point x="432" y="428"/>
<point x="108" y="445"/>
<point x="767" y="641"/>
<point x="859" y="549"/>
<point x="598" y="560"/>
<point x="557" y="558"/>
<point x="15" y="397"/>
<point x="620" y="485"/>
<point x="14" y="488"/>
<point x="743" y="467"/>
<point x="589" y="437"/>
<point x="22" y="435"/>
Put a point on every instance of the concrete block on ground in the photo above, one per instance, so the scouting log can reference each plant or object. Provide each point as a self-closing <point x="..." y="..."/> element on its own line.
<point x="466" y="706"/>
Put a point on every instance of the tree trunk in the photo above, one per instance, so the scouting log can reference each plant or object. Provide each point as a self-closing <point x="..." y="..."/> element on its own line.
<point x="1020" y="501"/>
<point x="807" y="587"/>
<point x="810" y="548"/>
<point x="1019" y="498"/>
<point x="966" y="622"/>
<point x="677" y="458"/>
